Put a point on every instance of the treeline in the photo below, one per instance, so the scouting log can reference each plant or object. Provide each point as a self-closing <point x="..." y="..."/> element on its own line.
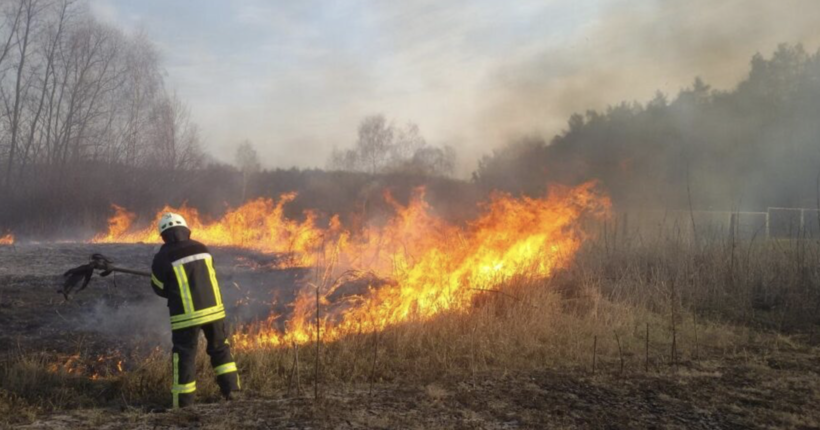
<point x="82" y="100"/>
<point x="383" y="147"/>
<point x="86" y="121"/>
<point x="357" y="197"/>
<point x="754" y="146"/>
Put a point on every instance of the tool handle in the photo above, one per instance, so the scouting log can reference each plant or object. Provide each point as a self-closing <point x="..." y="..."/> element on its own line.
<point x="129" y="271"/>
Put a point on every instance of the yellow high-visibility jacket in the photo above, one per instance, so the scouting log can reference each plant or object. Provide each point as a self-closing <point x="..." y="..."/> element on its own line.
<point x="183" y="272"/>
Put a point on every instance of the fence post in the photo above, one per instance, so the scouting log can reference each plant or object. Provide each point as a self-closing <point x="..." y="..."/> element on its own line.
<point x="802" y="221"/>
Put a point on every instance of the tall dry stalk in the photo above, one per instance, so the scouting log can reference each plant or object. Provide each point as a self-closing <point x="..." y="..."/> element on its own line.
<point x="294" y="371"/>
<point x="697" y="342"/>
<point x="646" y="349"/>
<point x="620" y="353"/>
<point x="318" y="349"/>
<point x="673" y="355"/>
<point x="594" y="353"/>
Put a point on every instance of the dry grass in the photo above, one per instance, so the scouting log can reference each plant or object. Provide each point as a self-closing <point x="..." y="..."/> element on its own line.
<point x="771" y="285"/>
<point x="717" y="299"/>
<point x="542" y="328"/>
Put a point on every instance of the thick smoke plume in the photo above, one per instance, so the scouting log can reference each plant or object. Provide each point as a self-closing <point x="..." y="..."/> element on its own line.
<point x="628" y="50"/>
<point x="471" y="74"/>
<point x="749" y="148"/>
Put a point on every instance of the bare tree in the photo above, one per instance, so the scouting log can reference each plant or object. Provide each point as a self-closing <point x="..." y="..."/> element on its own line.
<point x="375" y="142"/>
<point x="175" y="139"/>
<point x="248" y="162"/>
<point x="434" y="161"/>
<point x="49" y="43"/>
<point x="383" y="147"/>
<point x="408" y="141"/>
<point x="22" y="36"/>
<point x="142" y="89"/>
<point x="75" y="91"/>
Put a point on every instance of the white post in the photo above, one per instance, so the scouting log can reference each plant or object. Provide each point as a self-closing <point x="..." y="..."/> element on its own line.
<point x="802" y="220"/>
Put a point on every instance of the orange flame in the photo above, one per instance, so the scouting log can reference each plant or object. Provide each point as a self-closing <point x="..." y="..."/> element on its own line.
<point x="92" y="368"/>
<point x="8" y="239"/>
<point x="259" y="225"/>
<point x="427" y="265"/>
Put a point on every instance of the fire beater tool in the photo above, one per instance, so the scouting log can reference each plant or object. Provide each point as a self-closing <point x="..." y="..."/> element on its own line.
<point x="83" y="273"/>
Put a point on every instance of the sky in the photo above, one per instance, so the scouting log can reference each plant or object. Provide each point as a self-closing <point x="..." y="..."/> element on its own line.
<point x="295" y="77"/>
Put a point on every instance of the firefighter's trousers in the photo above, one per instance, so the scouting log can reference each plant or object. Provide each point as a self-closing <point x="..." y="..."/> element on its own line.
<point x="184" y="359"/>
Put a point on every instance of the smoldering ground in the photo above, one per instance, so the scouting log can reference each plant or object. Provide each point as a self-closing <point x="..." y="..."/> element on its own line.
<point x="120" y="312"/>
<point x="254" y="288"/>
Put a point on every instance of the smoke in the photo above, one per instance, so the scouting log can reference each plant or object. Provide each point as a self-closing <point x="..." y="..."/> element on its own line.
<point x="131" y="322"/>
<point x="753" y="147"/>
<point x="476" y="74"/>
<point x="297" y="78"/>
<point x="123" y="309"/>
<point x="627" y="50"/>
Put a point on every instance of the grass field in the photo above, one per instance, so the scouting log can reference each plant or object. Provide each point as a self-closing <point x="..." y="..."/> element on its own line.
<point x="640" y="331"/>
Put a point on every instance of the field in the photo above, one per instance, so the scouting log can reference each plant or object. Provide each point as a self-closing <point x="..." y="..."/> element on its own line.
<point x="639" y="331"/>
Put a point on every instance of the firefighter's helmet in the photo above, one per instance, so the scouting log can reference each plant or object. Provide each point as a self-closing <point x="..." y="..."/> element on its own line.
<point x="169" y="220"/>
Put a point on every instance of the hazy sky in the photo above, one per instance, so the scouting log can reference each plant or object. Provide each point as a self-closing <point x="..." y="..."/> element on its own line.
<point x="296" y="76"/>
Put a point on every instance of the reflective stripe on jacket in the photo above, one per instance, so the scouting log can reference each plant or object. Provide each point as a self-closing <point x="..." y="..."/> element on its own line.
<point x="183" y="272"/>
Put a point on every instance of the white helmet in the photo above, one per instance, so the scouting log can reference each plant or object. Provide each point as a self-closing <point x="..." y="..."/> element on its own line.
<point x="169" y="220"/>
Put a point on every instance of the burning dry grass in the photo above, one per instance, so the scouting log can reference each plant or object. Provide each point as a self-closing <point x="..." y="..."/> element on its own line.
<point x="259" y="225"/>
<point x="432" y="266"/>
<point x="631" y="305"/>
<point x="535" y="324"/>
<point x="7" y="239"/>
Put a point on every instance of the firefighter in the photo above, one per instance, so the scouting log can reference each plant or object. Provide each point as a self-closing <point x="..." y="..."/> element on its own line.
<point x="183" y="272"/>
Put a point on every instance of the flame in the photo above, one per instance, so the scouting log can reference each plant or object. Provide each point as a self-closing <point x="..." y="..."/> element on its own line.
<point x="412" y="268"/>
<point x="102" y="366"/>
<point x="436" y="267"/>
<point x="69" y="365"/>
<point x="259" y="225"/>
<point x="8" y="239"/>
